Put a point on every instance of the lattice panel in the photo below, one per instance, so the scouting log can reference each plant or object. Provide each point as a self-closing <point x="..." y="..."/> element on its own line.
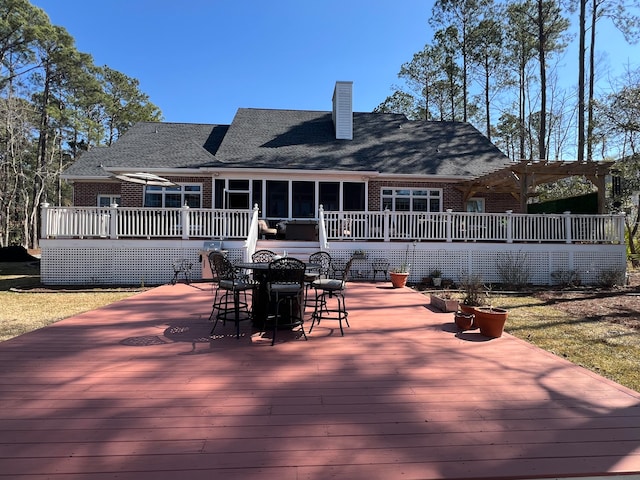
<point x="589" y="265"/>
<point x="76" y="265"/>
<point x="153" y="265"/>
<point x="116" y="266"/>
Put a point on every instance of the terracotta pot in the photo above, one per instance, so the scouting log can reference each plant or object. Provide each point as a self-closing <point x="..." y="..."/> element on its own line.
<point x="491" y="321"/>
<point x="464" y="321"/>
<point x="467" y="308"/>
<point x="398" y="280"/>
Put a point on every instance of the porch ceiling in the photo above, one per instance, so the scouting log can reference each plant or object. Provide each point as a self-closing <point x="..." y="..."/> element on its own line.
<point x="521" y="178"/>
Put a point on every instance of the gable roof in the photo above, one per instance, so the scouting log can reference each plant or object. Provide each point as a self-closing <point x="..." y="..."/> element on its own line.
<point x="302" y="140"/>
<point x="153" y="146"/>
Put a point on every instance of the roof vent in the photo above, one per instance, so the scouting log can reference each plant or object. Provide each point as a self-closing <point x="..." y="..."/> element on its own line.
<point x="343" y="110"/>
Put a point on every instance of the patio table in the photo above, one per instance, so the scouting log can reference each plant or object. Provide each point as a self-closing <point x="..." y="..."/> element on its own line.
<point x="261" y="303"/>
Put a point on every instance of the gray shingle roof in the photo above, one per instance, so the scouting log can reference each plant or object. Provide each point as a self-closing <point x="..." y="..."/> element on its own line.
<point x="298" y="139"/>
<point x="153" y="145"/>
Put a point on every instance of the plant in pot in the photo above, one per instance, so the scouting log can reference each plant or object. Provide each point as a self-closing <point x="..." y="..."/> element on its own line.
<point x="444" y="301"/>
<point x="436" y="277"/>
<point x="473" y="292"/>
<point x="490" y="320"/>
<point x="473" y="297"/>
<point x="399" y="275"/>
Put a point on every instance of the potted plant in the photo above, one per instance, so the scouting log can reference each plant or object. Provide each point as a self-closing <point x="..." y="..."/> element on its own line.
<point x="436" y="277"/>
<point x="359" y="255"/>
<point x="490" y="320"/>
<point x="399" y="275"/>
<point x="464" y="321"/>
<point x="473" y="292"/>
<point x="444" y="301"/>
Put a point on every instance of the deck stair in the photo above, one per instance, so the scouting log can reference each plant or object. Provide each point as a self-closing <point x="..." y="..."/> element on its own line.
<point x="296" y="249"/>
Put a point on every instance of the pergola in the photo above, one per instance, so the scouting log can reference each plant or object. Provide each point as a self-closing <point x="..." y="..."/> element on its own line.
<point x="520" y="178"/>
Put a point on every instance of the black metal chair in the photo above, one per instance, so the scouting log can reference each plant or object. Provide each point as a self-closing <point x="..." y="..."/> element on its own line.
<point x="262" y="256"/>
<point x="380" y="265"/>
<point x="285" y="284"/>
<point x="331" y="289"/>
<point x="182" y="266"/>
<point x="231" y="283"/>
<point x="215" y="282"/>
<point x="319" y="267"/>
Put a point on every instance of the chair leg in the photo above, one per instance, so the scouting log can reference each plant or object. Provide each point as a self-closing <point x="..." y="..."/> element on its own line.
<point x="236" y="308"/>
<point x="322" y="310"/>
<point x="217" y="305"/>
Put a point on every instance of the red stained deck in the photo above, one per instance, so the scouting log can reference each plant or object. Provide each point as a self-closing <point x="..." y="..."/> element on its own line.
<point x="137" y="390"/>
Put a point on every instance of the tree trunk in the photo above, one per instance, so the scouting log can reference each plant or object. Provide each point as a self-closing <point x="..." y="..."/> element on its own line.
<point x="592" y="67"/>
<point x="581" y="61"/>
<point x="542" y="131"/>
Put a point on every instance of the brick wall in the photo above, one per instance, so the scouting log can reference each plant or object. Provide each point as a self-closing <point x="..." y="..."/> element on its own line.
<point x="85" y="194"/>
<point x="452" y="197"/>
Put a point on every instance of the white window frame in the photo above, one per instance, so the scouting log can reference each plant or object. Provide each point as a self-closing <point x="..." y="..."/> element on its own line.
<point x="478" y="201"/>
<point x="412" y="193"/>
<point x="112" y="199"/>
<point x="164" y="191"/>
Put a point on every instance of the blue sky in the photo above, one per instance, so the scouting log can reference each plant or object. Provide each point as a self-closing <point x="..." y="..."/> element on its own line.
<point x="201" y="60"/>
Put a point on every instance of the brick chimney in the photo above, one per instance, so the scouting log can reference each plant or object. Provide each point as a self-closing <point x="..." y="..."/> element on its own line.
<point x="343" y="110"/>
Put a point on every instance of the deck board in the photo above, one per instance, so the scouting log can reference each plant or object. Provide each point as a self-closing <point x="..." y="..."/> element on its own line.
<point x="138" y="390"/>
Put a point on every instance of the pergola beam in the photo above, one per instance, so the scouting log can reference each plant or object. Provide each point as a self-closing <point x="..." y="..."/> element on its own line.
<point x="520" y="179"/>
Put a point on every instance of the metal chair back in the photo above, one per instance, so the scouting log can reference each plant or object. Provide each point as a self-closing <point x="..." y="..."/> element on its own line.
<point x="262" y="256"/>
<point x="323" y="260"/>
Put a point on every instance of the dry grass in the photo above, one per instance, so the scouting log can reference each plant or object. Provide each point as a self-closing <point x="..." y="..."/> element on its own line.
<point x="22" y="312"/>
<point x="611" y="350"/>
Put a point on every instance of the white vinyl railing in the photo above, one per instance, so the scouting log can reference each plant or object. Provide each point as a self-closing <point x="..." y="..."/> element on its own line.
<point x="187" y="223"/>
<point x="453" y="226"/>
<point x="125" y="222"/>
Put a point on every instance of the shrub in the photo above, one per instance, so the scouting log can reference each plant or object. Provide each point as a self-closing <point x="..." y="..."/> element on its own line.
<point x="611" y="277"/>
<point x="514" y="269"/>
<point x="566" y="278"/>
<point x="472" y="288"/>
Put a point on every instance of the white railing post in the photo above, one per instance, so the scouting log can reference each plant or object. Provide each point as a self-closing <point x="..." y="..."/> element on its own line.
<point x="620" y="227"/>
<point x="322" y="230"/>
<point x="567" y="227"/>
<point x="113" y="221"/>
<point x="509" y="226"/>
<point x="448" y="227"/>
<point x="387" y="225"/>
<point x="252" y="234"/>
<point x="185" y="220"/>
<point x="44" y="220"/>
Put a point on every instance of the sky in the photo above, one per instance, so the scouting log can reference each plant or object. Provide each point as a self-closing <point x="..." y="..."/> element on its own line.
<point x="201" y="60"/>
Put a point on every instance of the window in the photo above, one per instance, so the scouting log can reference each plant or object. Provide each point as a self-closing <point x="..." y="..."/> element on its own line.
<point x="353" y="197"/>
<point x="277" y="199"/>
<point x="412" y="200"/>
<point x="108" y="200"/>
<point x="173" y="197"/>
<point x="475" y="205"/>
<point x="329" y="193"/>
<point x="303" y="199"/>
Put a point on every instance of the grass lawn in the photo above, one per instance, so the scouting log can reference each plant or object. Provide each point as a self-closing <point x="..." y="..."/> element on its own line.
<point x="610" y="350"/>
<point x="22" y="312"/>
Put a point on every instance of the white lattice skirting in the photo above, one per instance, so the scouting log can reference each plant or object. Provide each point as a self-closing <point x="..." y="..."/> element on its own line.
<point x="150" y="262"/>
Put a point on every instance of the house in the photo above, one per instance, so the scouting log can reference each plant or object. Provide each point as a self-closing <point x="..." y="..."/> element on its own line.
<point x="335" y="179"/>
<point x="289" y="162"/>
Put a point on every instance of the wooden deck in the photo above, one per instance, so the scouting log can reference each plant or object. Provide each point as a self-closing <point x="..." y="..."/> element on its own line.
<point x="137" y="390"/>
